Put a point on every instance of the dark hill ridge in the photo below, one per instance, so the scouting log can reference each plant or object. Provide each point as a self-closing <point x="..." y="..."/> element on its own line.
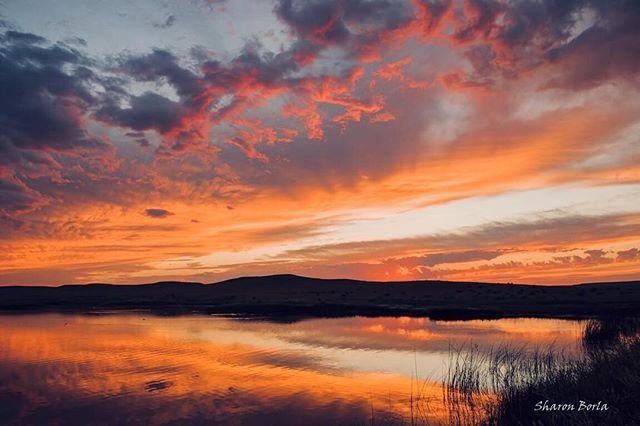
<point x="284" y="295"/>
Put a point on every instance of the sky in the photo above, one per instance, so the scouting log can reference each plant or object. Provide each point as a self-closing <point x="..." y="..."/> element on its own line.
<point x="200" y="140"/>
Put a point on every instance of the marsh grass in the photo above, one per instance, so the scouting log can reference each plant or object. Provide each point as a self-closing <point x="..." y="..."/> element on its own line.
<point x="477" y="382"/>
<point x="503" y="385"/>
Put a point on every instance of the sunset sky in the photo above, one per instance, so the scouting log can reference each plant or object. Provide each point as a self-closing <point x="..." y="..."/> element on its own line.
<point x="374" y="139"/>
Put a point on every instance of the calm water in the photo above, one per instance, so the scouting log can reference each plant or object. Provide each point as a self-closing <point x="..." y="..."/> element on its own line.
<point x="136" y="368"/>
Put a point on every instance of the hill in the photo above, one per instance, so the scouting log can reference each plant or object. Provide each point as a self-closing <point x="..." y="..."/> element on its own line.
<point x="291" y="295"/>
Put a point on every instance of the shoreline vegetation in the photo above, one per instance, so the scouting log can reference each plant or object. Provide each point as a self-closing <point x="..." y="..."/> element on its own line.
<point x="513" y="386"/>
<point x="295" y="296"/>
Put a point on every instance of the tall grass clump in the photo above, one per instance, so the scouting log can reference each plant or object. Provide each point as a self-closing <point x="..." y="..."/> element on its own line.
<point x="477" y="382"/>
<point x="505" y="385"/>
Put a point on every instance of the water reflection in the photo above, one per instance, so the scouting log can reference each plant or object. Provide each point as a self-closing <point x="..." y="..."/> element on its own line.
<point x="123" y="368"/>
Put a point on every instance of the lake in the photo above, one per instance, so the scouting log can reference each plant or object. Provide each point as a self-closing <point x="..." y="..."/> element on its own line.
<point x="120" y="368"/>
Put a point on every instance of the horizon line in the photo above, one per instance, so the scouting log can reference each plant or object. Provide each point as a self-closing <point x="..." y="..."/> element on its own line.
<point x="318" y="279"/>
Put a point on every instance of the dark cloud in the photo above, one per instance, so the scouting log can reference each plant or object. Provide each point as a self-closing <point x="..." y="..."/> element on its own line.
<point x="318" y="20"/>
<point x="513" y="37"/>
<point x="151" y="110"/>
<point x="46" y="90"/>
<point x="541" y="23"/>
<point x="45" y="93"/>
<point x="158" y="213"/>
<point x="199" y="91"/>
<point x="355" y="24"/>
<point x="27" y="38"/>
<point x="162" y="64"/>
<point x="147" y="111"/>
<point x="380" y="15"/>
<point x="605" y="51"/>
<point x="268" y="68"/>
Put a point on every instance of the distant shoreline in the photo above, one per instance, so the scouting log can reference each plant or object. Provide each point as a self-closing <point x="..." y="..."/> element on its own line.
<point x="294" y="296"/>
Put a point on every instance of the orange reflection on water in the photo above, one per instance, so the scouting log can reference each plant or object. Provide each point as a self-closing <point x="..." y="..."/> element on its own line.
<point x="130" y="367"/>
<point x="145" y="371"/>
